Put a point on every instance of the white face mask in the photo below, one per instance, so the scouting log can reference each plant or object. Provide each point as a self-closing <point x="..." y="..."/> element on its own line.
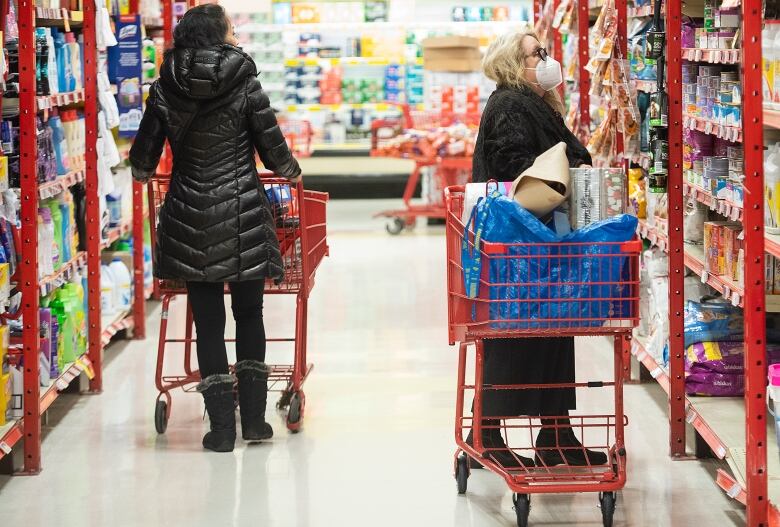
<point x="548" y="74"/>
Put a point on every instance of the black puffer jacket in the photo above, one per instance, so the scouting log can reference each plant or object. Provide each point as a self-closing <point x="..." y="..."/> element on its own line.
<point x="517" y="126"/>
<point x="216" y="223"/>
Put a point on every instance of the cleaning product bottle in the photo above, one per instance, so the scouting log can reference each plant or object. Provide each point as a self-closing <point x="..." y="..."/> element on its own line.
<point x="41" y="246"/>
<point x="47" y="244"/>
<point x="57" y="233"/>
<point x="775" y="104"/>
<point x="54" y="76"/>
<point x="59" y="142"/>
<point x="122" y="283"/>
<point x="66" y="226"/>
<point x="39" y="61"/>
<point x="107" y="306"/>
<point x="76" y="301"/>
<point x="75" y="60"/>
<point x="148" y="267"/>
<point x="768" y="62"/>
<point x="64" y="65"/>
<point x="114" y="203"/>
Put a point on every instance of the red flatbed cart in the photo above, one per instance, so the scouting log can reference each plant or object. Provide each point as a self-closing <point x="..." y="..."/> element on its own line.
<point x="540" y="290"/>
<point x="448" y="170"/>
<point x="301" y="229"/>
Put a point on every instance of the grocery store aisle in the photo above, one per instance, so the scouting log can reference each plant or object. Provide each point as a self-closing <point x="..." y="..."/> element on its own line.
<point x="377" y="441"/>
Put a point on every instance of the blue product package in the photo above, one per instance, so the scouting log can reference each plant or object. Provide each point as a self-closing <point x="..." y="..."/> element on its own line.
<point x="549" y="283"/>
<point x="278" y="194"/>
<point x="712" y="322"/>
<point x="125" y="70"/>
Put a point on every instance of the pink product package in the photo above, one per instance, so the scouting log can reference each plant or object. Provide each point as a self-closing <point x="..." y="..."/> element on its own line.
<point x="715" y="384"/>
<point x="688" y="35"/>
<point x="722" y="147"/>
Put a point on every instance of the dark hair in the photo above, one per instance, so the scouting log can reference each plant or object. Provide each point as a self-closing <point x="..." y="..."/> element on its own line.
<point x="201" y="27"/>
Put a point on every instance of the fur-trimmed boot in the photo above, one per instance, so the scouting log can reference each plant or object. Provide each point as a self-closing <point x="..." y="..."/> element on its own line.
<point x="217" y="391"/>
<point x="252" y="399"/>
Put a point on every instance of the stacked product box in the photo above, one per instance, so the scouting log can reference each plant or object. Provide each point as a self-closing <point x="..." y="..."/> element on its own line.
<point x="720" y="27"/>
<point x="330" y="86"/>
<point x="395" y="83"/>
<point x="415" y="84"/>
<point x="723" y="246"/>
<point x="302" y="84"/>
<point x="361" y="91"/>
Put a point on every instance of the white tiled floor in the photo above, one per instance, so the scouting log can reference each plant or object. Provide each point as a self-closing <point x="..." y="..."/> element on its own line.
<point x="377" y="444"/>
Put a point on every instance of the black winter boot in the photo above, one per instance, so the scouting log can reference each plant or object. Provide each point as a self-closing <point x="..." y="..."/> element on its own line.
<point x="252" y="399"/>
<point x="558" y="445"/>
<point x="492" y="439"/>
<point x="217" y="393"/>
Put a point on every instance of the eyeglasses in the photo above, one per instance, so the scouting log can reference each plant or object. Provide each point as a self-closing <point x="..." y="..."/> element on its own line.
<point x="541" y="53"/>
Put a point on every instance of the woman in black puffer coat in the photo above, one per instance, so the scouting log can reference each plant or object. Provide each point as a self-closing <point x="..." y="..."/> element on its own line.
<point x="522" y="120"/>
<point x="216" y="225"/>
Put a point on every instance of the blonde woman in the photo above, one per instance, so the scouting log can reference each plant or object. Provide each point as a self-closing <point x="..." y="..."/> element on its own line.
<point x="523" y="119"/>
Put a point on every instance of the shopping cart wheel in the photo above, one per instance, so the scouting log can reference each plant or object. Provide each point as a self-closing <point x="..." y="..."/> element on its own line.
<point x="284" y="399"/>
<point x="395" y="226"/>
<point x="607" y="500"/>
<point x="462" y="473"/>
<point x="522" y="508"/>
<point x="295" y="413"/>
<point x="161" y="416"/>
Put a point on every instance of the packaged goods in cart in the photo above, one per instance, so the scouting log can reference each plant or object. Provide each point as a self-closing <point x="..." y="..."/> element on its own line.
<point x="597" y="194"/>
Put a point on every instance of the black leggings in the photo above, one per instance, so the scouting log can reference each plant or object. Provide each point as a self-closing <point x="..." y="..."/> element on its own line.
<point x="208" y="310"/>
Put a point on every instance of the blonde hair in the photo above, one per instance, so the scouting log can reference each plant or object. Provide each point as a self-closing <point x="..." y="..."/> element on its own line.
<point x="504" y="63"/>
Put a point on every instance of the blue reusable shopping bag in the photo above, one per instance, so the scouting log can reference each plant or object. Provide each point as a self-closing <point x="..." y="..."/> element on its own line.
<point x="547" y="284"/>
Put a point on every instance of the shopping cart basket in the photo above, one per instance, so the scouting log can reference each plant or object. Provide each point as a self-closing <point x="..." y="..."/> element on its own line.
<point x="447" y="170"/>
<point x="300" y="218"/>
<point x="538" y="290"/>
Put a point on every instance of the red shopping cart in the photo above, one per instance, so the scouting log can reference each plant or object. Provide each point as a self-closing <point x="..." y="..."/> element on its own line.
<point x="448" y="168"/>
<point x="536" y="290"/>
<point x="301" y="230"/>
<point x="298" y="134"/>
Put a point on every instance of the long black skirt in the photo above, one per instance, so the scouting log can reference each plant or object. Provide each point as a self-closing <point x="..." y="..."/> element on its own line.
<point x="547" y="360"/>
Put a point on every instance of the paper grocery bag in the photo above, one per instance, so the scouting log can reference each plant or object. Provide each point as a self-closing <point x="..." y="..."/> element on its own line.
<point x="532" y="190"/>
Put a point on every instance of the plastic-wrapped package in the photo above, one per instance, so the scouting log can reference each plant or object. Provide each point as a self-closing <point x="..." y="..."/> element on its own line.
<point x="596" y="194"/>
<point x="716" y="357"/>
<point x="712" y="322"/>
<point x="715" y="384"/>
<point x="657" y="262"/>
<point x="659" y="338"/>
<point x="693" y="223"/>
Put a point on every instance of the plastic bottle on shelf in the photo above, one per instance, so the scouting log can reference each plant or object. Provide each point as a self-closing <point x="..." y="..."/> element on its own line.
<point x="48" y="247"/>
<point x="148" y="267"/>
<point x="58" y="233"/>
<point x="114" y="204"/>
<point x="107" y="306"/>
<point x="64" y="206"/>
<point x="775" y="54"/>
<point x="75" y="59"/>
<point x="771" y="189"/>
<point x="52" y="70"/>
<point x="767" y="63"/>
<point x="64" y="64"/>
<point x="122" y="283"/>
<point x="75" y="291"/>
<point x="59" y="143"/>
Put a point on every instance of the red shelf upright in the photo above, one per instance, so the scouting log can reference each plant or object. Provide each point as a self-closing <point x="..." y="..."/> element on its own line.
<point x="583" y="53"/>
<point x="92" y="200"/>
<point x="755" y="301"/>
<point x="677" y="422"/>
<point x="28" y="271"/>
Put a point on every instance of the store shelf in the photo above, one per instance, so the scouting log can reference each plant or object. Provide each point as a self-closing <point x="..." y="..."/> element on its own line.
<point x="50" y="283"/>
<point x="641" y="12"/>
<point x="647" y="86"/>
<point x="723" y="207"/>
<point x="153" y="23"/>
<point x="771" y="118"/>
<point x="351" y="61"/>
<point x="712" y="56"/>
<point x="729" y="133"/>
<point x="10" y="434"/>
<point x="47" y="102"/>
<point x="658" y="372"/>
<point x="113" y="324"/>
<point x="116" y="233"/>
<point x="694" y="260"/>
<point x="494" y="26"/>
<point x="379" y="107"/>
<point x="69" y="373"/>
<point x="54" y="188"/>
<point x="54" y="17"/>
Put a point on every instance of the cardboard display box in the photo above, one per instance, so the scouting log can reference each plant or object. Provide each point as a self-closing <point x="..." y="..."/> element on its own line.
<point x="454" y="53"/>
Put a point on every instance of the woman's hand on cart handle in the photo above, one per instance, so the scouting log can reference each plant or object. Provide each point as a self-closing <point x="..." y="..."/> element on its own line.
<point x="297" y="179"/>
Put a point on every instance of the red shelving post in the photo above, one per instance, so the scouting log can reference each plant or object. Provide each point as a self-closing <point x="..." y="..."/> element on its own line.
<point x="92" y="201"/>
<point x="168" y="23"/>
<point x="139" y="293"/>
<point x="583" y="52"/>
<point x="755" y="302"/>
<point x="677" y="421"/>
<point x="28" y="270"/>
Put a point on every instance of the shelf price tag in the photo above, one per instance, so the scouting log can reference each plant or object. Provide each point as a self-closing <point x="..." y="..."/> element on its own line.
<point x="704" y="276"/>
<point x="735" y="300"/>
<point x="735" y="214"/>
<point x="61" y="384"/>
<point x="656" y="372"/>
<point x="641" y="356"/>
<point x="726" y="292"/>
<point x="690" y="416"/>
<point x="736" y="488"/>
<point x="4" y="447"/>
